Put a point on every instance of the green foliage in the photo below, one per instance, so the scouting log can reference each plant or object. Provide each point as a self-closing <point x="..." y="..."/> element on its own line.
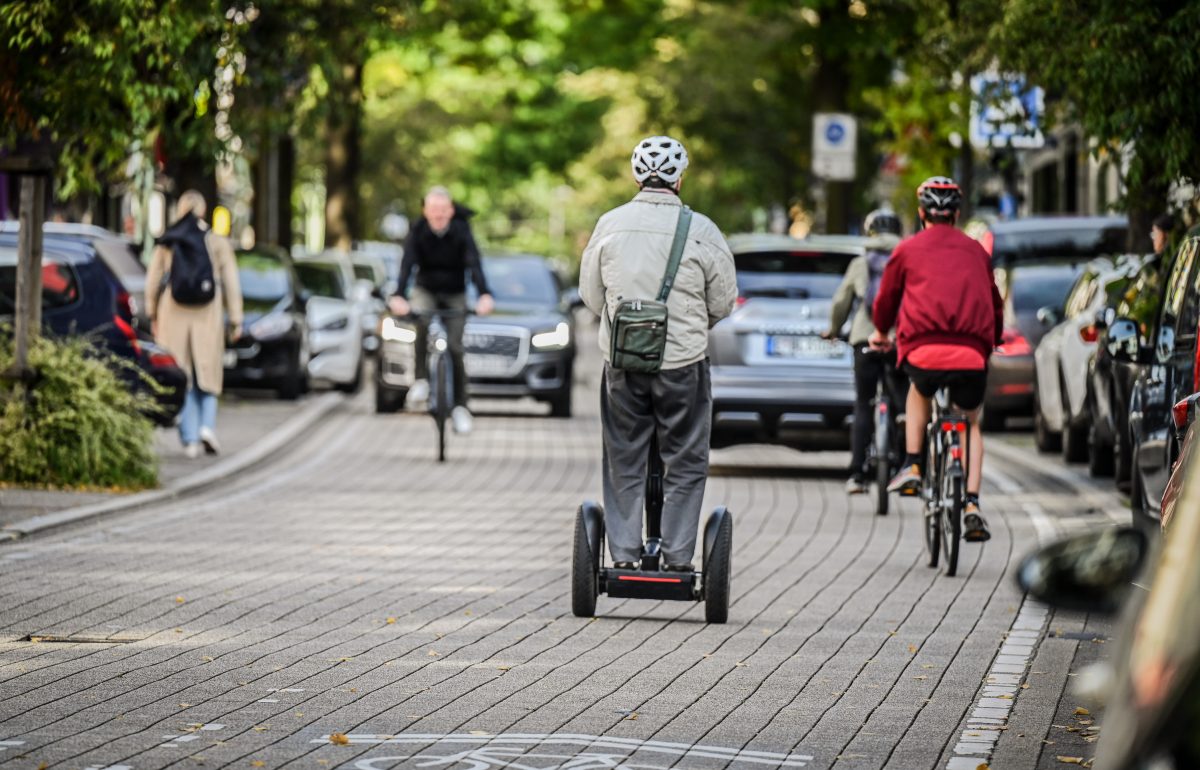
<point x="78" y="425"/>
<point x="1127" y="71"/>
<point x="97" y="76"/>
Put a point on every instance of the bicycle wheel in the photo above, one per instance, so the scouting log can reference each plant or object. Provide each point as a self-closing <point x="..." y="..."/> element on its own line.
<point x="952" y="508"/>
<point x="932" y="521"/>
<point x="441" y="407"/>
<point x="883" y="465"/>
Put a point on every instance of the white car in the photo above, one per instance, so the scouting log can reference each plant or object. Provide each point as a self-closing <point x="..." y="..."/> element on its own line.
<point x="1064" y="355"/>
<point x="336" y="305"/>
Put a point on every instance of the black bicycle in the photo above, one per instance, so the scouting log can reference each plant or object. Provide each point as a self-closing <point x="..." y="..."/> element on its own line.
<point x="441" y="372"/>
<point x="944" y="485"/>
<point x="886" y="450"/>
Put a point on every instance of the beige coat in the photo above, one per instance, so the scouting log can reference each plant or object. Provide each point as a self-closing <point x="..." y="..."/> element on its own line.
<point x="195" y="335"/>
<point x="627" y="255"/>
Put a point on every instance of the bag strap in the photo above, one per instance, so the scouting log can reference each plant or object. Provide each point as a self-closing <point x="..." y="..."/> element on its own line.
<point x="681" y="233"/>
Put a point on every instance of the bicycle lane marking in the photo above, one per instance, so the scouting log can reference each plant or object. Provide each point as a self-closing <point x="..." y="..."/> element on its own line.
<point x="566" y="749"/>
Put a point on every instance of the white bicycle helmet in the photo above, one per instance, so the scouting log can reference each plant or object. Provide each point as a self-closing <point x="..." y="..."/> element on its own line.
<point x="659" y="156"/>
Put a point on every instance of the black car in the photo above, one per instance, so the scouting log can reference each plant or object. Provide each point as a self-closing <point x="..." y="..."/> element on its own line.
<point x="525" y="348"/>
<point x="273" y="351"/>
<point x="1112" y="376"/>
<point x="1167" y="374"/>
<point x="82" y="296"/>
<point x="1038" y="239"/>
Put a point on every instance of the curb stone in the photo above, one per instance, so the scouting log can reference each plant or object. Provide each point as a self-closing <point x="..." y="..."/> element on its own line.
<point x="236" y="463"/>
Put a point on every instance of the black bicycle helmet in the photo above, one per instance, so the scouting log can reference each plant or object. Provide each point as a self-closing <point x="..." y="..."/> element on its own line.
<point x="939" y="196"/>
<point x="882" y="221"/>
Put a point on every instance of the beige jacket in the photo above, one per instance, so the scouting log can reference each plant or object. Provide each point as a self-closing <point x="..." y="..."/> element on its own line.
<point x="627" y="255"/>
<point x="195" y="335"/>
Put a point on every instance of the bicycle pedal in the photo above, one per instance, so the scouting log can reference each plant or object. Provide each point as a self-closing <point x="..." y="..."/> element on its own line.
<point x="909" y="492"/>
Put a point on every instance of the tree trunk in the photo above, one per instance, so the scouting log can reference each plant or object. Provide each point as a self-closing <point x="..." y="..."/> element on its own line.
<point x="342" y="159"/>
<point x="28" y="321"/>
<point x="274" y="169"/>
<point x="829" y="90"/>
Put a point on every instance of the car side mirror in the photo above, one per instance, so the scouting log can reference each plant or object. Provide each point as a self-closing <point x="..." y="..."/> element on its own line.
<point x="1047" y="316"/>
<point x="1104" y="317"/>
<point x="1124" y="341"/>
<point x="572" y="299"/>
<point x="1091" y="572"/>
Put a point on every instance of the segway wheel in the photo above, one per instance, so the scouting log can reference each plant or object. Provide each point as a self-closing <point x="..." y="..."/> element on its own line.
<point x="585" y="564"/>
<point x="718" y="568"/>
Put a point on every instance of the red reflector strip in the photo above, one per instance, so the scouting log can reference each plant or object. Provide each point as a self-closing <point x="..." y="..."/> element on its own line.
<point x="956" y="452"/>
<point x="633" y="579"/>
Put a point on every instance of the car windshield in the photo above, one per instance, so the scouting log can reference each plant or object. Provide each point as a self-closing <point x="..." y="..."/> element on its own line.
<point x="790" y="274"/>
<point x="523" y="282"/>
<point x="1037" y="287"/>
<point x="321" y="278"/>
<point x="264" y="280"/>
<point x="1058" y="243"/>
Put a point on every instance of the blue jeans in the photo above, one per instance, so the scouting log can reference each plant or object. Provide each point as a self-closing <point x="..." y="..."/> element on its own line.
<point x="199" y="410"/>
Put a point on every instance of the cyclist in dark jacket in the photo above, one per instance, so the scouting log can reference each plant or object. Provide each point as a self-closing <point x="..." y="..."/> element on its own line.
<point x="441" y="250"/>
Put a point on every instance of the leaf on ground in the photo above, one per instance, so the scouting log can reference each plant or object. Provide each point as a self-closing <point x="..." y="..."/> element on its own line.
<point x="179" y="630"/>
<point x="912" y="649"/>
<point x="468" y="613"/>
<point x="180" y="600"/>
<point x="479" y="732"/>
<point x="1070" y="760"/>
<point x="740" y="663"/>
<point x="503" y="668"/>
<point x="922" y="677"/>
<point x="1080" y="711"/>
<point x="258" y="763"/>
<point x="983" y="766"/>
<point x="207" y="659"/>
<point x="434" y="653"/>
<point x="339" y="739"/>
<point x="390" y="621"/>
<point x="299" y="714"/>
<point x="927" y="666"/>
<point x="1025" y="686"/>
<point x="262" y="728"/>
<point x="185" y="705"/>
<point x="633" y="715"/>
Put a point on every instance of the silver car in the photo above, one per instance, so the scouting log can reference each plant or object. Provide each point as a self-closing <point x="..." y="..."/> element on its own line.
<point x="774" y="378"/>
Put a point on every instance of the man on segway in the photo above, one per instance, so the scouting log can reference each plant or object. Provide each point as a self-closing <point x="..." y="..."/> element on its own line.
<point x="656" y="377"/>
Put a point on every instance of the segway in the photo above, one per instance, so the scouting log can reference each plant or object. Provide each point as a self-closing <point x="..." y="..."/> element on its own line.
<point x="590" y="577"/>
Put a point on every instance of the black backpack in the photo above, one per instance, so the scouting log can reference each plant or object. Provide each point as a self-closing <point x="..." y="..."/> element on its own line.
<point x="191" y="276"/>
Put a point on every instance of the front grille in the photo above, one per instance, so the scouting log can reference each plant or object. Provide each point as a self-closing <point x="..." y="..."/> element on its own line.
<point x="493" y="343"/>
<point x="495" y="351"/>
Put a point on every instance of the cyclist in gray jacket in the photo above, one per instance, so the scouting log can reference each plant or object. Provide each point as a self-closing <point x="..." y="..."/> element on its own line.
<point x="860" y="286"/>
<point x="626" y="257"/>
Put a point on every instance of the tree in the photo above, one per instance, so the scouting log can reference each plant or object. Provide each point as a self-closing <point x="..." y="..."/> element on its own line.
<point x="1126" y="71"/>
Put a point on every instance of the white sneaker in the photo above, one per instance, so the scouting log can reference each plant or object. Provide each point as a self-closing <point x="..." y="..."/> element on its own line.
<point x="462" y="419"/>
<point x="192" y="451"/>
<point x="209" y="439"/>
<point x="419" y="392"/>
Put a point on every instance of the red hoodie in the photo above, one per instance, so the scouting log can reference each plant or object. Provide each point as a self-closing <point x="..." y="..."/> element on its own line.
<point x="950" y="297"/>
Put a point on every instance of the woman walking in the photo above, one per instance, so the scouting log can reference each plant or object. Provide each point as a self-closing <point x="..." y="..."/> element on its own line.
<point x="191" y="284"/>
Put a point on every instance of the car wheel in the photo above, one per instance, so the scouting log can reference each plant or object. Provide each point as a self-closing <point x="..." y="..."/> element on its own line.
<point x="1100" y="454"/>
<point x="560" y="404"/>
<point x="1045" y="439"/>
<point x="355" y="384"/>
<point x="293" y="382"/>
<point x="1074" y="436"/>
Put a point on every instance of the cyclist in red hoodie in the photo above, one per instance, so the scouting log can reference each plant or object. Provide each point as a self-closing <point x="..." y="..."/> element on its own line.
<point x="939" y="292"/>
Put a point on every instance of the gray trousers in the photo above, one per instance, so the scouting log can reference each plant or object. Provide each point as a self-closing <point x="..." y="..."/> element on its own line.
<point x="676" y="404"/>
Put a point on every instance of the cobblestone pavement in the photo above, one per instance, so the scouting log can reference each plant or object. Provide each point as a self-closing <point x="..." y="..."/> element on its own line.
<point x="358" y="605"/>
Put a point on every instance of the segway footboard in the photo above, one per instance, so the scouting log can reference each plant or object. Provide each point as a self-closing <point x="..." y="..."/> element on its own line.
<point x="637" y="584"/>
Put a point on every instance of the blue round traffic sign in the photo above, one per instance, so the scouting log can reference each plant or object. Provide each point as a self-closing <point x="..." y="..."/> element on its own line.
<point x="835" y="133"/>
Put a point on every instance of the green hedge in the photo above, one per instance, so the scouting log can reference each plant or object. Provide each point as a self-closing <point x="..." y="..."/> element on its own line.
<point x="77" y="424"/>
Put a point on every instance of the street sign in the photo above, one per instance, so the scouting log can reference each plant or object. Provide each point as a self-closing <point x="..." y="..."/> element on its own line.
<point x="1005" y="112"/>
<point x="835" y="138"/>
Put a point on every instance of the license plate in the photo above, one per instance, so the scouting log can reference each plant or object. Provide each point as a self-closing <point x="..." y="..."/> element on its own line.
<point x="230" y="359"/>
<point x="801" y="346"/>
<point x="487" y="366"/>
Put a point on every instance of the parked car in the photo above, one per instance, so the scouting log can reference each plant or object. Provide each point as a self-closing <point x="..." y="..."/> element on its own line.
<point x="526" y="348"/>
<point x="82" y="296"/>
<point x="1150" y="680"/>
<point x="371" y="268"/>
<point x="273" y="351"/>
<point x="1062" y="408"/>
<point x="1113" y="376"/>
<point x="1026" y="289"/>
<point x="1183" y="419"/>
<point x="334" y="310"/>
<point x="1170" y="374"/>
<point x="774" y="378"/>
<point x="1054" y="238"/>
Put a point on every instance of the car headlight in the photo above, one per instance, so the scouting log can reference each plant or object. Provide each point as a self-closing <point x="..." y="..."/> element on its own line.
<point x="270" y="326"/>
<point x="394" y="332"/>
<point x="559" y="338"/>
<point x="336" y="324"/>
